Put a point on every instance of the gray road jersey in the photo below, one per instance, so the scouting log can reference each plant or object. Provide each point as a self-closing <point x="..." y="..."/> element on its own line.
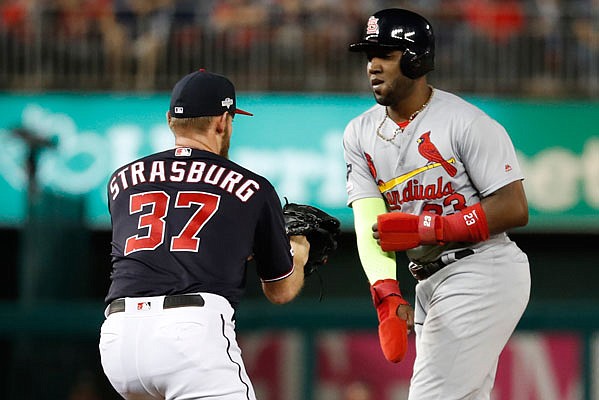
<point x="446" y="159"/>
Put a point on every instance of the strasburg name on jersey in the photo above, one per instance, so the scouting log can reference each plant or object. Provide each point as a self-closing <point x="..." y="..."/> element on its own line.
<point x="188" y="171"/>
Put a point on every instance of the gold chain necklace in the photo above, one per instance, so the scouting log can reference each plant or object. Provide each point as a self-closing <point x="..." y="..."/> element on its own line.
<point x="399" y="129"/>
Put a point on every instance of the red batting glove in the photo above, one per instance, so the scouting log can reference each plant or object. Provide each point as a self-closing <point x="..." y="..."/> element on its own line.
<point x="401" y="231"/>
<point x="393" y="331"/>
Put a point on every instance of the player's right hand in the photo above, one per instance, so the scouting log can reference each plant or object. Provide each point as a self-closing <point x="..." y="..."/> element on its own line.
<point x="406" y="312"/>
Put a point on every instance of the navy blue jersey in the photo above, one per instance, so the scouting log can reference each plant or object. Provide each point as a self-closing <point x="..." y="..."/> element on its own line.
<point x="186" y="220"/>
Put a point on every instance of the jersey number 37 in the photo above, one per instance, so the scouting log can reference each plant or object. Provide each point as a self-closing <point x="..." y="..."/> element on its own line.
<point x="155" y="220"/>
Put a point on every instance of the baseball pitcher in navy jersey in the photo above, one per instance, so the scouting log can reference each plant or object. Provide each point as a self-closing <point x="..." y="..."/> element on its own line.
<point x="432" y="175"/>
<point x="185" y="222"/>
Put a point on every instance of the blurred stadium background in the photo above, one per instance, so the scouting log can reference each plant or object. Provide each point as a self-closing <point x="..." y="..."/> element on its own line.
<point x="84" y="87"/>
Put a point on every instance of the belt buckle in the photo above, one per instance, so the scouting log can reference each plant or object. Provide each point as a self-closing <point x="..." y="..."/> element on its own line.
<point x="419" y="271"/>
<point x="424" y="271"/>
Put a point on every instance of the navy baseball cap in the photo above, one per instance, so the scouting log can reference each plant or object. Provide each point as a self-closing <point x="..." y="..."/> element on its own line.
<point x="203" y="94"/>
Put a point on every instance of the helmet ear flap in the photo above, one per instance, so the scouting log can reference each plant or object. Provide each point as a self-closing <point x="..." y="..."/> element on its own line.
<point x="413" y="65"/>
<point x="410" y="64"/>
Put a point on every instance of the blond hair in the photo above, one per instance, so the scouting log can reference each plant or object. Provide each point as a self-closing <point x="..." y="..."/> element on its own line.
<point x="196" y="123"/>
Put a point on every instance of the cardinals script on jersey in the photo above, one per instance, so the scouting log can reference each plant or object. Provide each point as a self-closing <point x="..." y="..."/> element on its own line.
<point x="413" y="190"/>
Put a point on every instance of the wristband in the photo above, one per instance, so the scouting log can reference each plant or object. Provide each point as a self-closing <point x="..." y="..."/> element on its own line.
<point x="468" y="225"/>
<point x="429" y="228"/>
<point x="403" y="231"/>
<point x="384" y="288"/>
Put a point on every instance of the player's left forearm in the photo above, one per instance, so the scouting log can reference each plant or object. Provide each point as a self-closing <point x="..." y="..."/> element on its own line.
<point x="506" y="208"/>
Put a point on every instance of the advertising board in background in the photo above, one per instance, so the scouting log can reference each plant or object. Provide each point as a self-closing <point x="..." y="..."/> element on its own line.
<point x="533" y="366"/>
<point x="294" y="140"/>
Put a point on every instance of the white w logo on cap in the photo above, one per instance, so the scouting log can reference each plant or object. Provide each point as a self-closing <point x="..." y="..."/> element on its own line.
<point x="228" y="102"/>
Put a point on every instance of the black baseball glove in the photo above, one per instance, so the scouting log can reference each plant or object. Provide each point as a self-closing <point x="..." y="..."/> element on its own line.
<point x="321" y="230"/>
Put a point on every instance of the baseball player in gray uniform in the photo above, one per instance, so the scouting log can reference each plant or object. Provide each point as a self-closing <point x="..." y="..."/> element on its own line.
<point x="431" y="174"/>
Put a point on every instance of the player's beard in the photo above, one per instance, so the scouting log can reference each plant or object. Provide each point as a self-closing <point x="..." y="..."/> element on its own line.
<point x="395" y="92"/>
<point x="224" y="151"/>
